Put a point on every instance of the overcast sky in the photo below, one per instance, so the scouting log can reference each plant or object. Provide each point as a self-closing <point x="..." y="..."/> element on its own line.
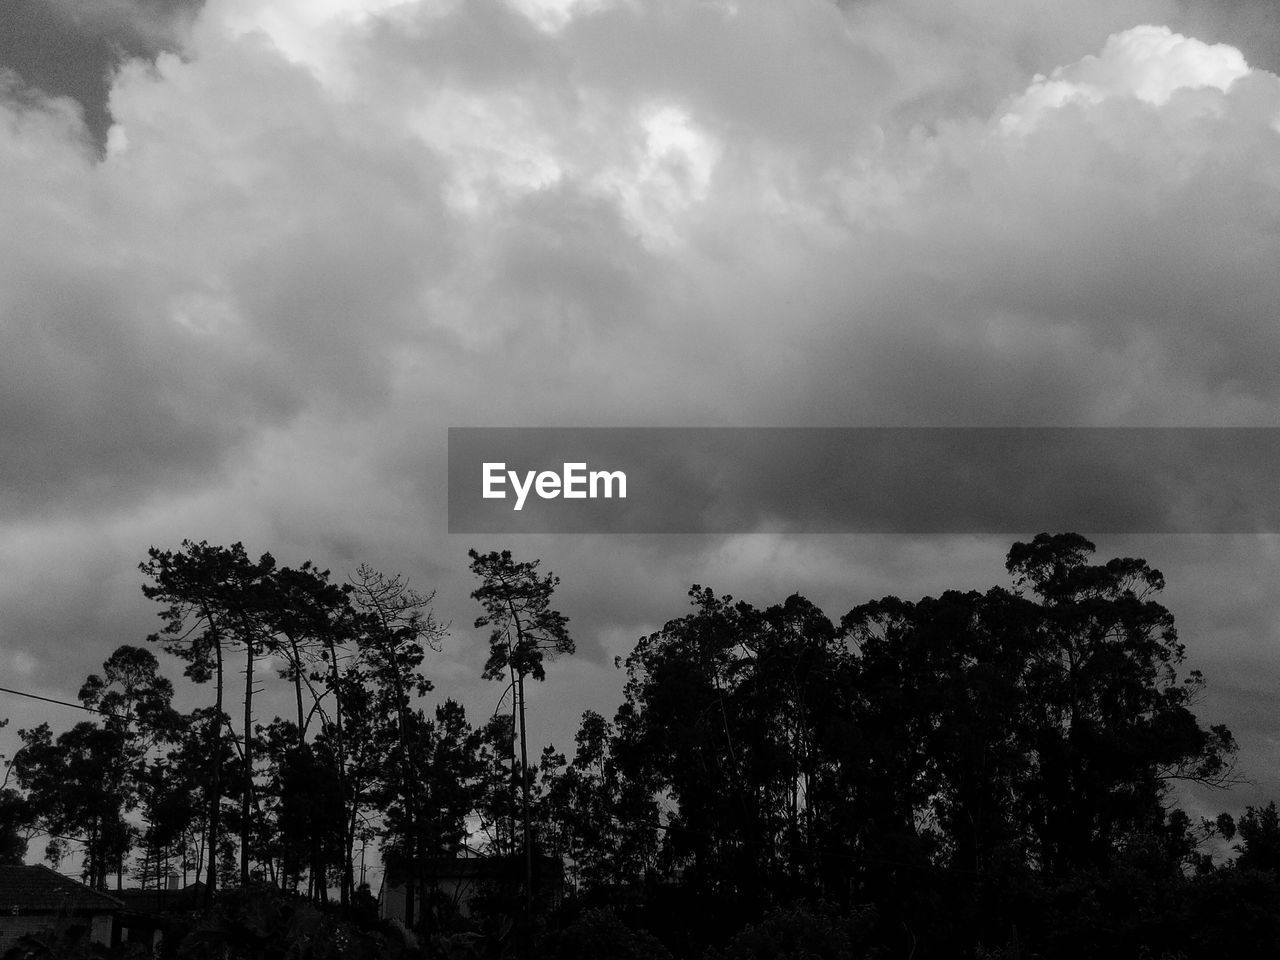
<point x="256" y="257"/>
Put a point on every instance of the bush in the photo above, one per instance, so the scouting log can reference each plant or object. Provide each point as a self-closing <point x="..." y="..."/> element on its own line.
<point x="801" y="933"/>
<point x="598" y="934"/>
<point x="269" y="925"/>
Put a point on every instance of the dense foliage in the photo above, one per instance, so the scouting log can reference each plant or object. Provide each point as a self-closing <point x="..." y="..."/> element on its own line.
<point x="977" y="774"/>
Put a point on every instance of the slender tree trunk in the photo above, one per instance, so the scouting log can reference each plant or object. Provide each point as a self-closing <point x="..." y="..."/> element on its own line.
<point x="515" y="759"/>
<point x="248" y="763"/>
<point x="297" y="687"/>
<point x="526" y="932"/>
<point x="524" y="802"/>
<point x="215" y="783"/>
<point x="292" y="879"/>
<point x="408" y="791"/>
<point x="348" y="833"/>
<point x="348" y="867"/>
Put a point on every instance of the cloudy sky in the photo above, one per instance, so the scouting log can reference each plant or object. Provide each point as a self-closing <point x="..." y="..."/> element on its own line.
<point x="256" y="258"/>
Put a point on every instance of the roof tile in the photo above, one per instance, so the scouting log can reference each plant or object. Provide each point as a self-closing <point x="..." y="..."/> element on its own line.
<point x="39" y="889"/>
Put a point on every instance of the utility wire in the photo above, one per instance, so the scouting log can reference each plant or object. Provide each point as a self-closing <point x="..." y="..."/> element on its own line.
<point x="68" y="703"/>
<point x="105" y="713"/>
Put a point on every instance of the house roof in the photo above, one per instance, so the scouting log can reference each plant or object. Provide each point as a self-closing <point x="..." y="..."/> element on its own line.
<point x="39" y="889"/>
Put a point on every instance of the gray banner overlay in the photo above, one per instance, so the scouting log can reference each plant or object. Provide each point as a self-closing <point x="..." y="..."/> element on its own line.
<point x="864" y="480"/>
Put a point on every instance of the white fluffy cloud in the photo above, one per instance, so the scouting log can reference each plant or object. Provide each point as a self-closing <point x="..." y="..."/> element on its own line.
<point x="1149" y="63"/>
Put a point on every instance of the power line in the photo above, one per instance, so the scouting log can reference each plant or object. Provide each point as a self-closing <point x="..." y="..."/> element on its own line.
<point x="68" y="703"/>
<point x="236" y="739"/>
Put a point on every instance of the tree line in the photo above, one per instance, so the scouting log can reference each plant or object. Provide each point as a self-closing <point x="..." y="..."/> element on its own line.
<point x="977" y="774"/>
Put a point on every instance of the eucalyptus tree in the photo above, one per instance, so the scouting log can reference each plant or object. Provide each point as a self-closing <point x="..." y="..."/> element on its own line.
<point x="597" y="813"/>
<point x="497" y="810"/>
<point x="71" y="781"/>
<point x="1010" y="740"/>
<point x="728" y="711"/>
<point x="136" y="703"/>
<point x="15" y="815"/>
<point x="82" y="784"/>
<point x="1109" y="719"/>
<point x="172" y="819"/>
<point x="15" y="818"/>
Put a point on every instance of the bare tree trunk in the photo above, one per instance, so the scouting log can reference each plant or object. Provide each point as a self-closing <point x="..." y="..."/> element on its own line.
<point x="349" y="826"/>
<point x="248" y="764"/>
<point x="215" y="784"/>
<point x="297" y="687"/>
<point x="524" y="790"/>
<point x="515" y="727"/>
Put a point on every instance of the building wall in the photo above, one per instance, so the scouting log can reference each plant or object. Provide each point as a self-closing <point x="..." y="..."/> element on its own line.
<point x="101" y="931"/>
<point x="458" y="891"/>
<point x="392" y="905"/>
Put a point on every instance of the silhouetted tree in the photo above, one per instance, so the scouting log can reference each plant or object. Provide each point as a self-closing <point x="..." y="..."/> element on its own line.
<point x="975" y="774"/>
<point x="216" y="598"/>
<point x="397" y="628"/>
<point x="16" y="817"/>
<point x="73" y="785"/>
<point x="1259" y="846"/>
<point x="525" y="630"/>
<point x="1109" y="722"/>
<point x="497" y="788"/>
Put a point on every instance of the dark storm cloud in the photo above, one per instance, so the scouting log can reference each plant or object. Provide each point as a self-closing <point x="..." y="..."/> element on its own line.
<point x="101" y="400"/>
<point x="68" y="49"/>
<point x="159" y="313"/>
